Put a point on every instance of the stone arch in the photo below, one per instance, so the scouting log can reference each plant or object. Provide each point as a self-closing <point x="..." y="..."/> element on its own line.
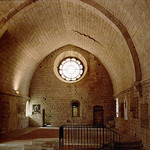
<point x="114" y="22"/>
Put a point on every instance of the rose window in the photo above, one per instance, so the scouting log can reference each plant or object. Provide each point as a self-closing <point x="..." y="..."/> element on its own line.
<point x="71" y="69"/>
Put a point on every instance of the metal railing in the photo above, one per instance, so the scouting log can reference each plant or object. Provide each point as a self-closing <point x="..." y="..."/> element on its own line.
<point x="88" y="137"/>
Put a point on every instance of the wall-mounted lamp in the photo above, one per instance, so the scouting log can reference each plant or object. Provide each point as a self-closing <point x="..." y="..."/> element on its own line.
<point x="16" y="92"/>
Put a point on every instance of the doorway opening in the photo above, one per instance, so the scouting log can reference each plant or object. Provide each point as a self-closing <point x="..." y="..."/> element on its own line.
<point x="46" y="118"/>
<point x="98" y="115"/>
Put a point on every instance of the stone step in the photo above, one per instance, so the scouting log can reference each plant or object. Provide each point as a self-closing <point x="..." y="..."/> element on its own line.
<point x="130" y="146"/>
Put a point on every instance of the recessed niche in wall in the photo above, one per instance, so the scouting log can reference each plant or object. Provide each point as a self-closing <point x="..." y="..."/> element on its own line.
<point x="134" y="107"/>
<point x="122" y="110"/>
<point x="75" y="109"/>
<point x="125" y="109"/>
<point x="144" y="116"/>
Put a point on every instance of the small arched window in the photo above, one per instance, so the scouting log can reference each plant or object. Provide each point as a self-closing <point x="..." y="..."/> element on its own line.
<point x="75" y="109"/>
<point x="27" y="109"/>
<point x="117" y="107"/>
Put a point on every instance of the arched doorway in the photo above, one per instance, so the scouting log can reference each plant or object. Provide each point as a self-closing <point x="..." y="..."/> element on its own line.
<point x="98" y="115"/>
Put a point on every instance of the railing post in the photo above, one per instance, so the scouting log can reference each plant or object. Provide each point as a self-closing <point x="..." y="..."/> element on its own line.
<point x="85" y="137"/>
<point x="103" y="137"/>
<point x="100" y="136"/>
<point x="97" y="136"/>
<point x="113" y="139"/>
<point x="60" y="136"/>
<point x="81" y="136"/>
<point x="71" y="138"/>
<point x="78" y="137"/>
<point x="119" y="143"/>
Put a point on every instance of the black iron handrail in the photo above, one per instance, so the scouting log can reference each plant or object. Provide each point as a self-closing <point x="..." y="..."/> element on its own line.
<point x="88" y="137"/>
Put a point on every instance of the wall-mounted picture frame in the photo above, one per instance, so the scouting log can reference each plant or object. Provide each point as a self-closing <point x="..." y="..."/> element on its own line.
<point x="36" y="109"/>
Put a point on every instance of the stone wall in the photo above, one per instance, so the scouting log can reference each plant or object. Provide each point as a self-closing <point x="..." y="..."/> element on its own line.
<point x="138" y="122"/>
<point x="94" y="89"/>
<point x="12" y="113"/>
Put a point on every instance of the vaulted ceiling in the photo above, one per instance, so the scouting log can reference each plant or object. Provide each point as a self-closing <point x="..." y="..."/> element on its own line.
<point x="116" y="31"/>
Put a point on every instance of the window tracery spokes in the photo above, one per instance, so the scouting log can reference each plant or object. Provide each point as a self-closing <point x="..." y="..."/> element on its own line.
<point x="71" y="69"/>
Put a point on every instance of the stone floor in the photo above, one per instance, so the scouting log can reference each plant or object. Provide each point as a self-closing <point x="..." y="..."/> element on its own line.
<point x="31" y="139"/>
<point x="44" y="138"/>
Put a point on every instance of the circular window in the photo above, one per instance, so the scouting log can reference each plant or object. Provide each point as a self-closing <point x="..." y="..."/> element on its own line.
<point x="71" y="69"/>
<point x="70" y="66"/>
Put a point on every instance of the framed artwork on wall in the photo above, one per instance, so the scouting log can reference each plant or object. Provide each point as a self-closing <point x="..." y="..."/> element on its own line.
<point x="36" y="109"/>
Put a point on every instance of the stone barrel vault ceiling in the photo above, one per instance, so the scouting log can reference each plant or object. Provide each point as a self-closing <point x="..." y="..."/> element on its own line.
<point x="116" y="31"/>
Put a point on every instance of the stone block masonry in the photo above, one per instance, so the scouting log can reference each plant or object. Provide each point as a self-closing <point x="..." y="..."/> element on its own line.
<point x="94" y="89"/>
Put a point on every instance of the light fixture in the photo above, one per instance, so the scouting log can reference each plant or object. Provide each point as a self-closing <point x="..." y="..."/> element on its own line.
<point x="16" y="92"/>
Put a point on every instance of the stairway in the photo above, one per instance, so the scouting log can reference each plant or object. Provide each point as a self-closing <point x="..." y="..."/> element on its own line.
<point x="135" y="145"/>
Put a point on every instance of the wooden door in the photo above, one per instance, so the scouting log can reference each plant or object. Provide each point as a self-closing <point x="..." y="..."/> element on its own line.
<point x="98" y="115"/>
